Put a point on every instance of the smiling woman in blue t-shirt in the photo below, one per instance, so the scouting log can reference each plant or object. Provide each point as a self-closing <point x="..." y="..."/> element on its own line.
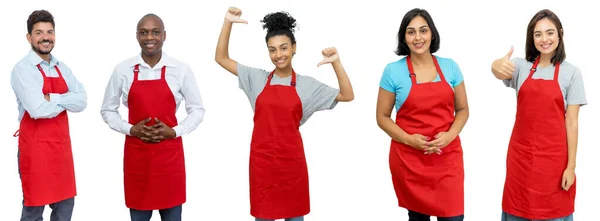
<point x="429" y="96"/>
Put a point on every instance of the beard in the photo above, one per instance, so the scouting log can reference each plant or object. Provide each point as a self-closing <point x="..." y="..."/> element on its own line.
<point x="39" y="51"/>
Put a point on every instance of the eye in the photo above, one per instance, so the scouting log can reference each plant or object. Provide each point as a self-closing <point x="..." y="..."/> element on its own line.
<point x="156" y="32"/>
<point x="410" y="32"/>
<point x="536" y="35"/>
<point x="423" y="30"/>
<point x="551" y="33"/>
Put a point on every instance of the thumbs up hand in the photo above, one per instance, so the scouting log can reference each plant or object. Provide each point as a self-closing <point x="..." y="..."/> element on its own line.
<point x="503" y="68"/>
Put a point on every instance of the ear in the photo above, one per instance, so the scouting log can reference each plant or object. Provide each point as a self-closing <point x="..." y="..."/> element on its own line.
<point x="164" y="35"/>
<point x="294" y="49"/>
<point x="28" y="36"/>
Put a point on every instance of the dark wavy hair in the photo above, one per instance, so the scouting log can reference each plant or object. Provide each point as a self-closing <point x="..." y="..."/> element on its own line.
<point x="39" y="16"/>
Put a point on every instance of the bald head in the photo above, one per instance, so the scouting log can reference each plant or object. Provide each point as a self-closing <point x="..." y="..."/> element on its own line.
<point x="151" y="18"/>
<point x="151" y="35"/>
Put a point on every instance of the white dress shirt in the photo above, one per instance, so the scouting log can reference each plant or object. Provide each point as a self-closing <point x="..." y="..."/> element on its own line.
<point x="27" y="83"/>
<point x="180" y="79"/>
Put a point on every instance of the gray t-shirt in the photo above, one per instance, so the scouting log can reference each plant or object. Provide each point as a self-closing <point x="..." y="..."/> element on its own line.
<point x="314" y="95"/>
<point x="569" y="79"/>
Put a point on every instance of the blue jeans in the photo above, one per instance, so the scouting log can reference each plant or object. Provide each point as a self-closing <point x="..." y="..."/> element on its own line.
<point x="508" y="217"/>
<point x="300" y="218"/>
<point x="61" y="211"/>
<point x="171" y="214"/>
<point x="415" y="216"/>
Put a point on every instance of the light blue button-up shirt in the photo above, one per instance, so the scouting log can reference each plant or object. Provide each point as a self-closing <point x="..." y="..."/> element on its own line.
<point x="27" y="83"/>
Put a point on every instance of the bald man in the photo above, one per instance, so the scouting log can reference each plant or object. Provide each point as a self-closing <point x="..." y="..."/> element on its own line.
<point x="151" y="86"/>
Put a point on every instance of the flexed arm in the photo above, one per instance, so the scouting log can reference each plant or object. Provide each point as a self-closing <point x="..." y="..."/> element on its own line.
<point x="330" y="55"/>
<point x="222" y="53"/>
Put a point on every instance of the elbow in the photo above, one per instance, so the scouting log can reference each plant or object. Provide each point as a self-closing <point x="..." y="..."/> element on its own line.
<point x="38" y="115"/>
<point x="571" y="124"/>
<point x="344" y="97"/>
<point x="380" y="120"/>
<point x="220" y="58"/>
<point x="349" y="98"/>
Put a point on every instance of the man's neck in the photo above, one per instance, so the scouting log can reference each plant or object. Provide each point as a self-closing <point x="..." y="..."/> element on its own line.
<point x="152" y="60"/>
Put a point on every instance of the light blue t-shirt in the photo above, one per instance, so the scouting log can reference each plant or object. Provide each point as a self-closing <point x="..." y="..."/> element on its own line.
<point x="396" y="78"/>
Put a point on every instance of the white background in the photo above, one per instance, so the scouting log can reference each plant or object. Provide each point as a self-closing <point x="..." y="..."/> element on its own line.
<point x="346" y="152"/>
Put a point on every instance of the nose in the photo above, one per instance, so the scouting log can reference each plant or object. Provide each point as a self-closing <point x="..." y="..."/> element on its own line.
<point x="418" y="36"/>
<point x="149" y="36"/>
<point x="277" y="53"/>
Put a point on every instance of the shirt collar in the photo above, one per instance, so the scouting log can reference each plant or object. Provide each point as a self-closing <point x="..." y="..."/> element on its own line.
<point x="165" y="60"/>
<point x="35" y="59"/>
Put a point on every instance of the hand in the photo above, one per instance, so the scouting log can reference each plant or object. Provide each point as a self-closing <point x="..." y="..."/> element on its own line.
<point x="442" y="139"/>
<point x="568" y="179"/>
<point x="160" y="131"/>
<point x="140" y="130"/>
<point x="330" y="55"/>
<point x="47" y="97"/>
<point x="233" y="15"/>
<point x="418" y="141"/>
<point x="503" y="68"/>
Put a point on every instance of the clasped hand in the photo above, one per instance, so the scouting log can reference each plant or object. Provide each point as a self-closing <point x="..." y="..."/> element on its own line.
<point x="429" y="146"/>
<point x="152" y="134"/>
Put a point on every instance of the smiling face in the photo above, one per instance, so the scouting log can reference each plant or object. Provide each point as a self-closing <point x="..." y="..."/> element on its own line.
<point x="281" y="50"/>
<point x="151" y="35"/>
<point x="42" y="38"/>
<point x="418" y="36"/>
<point x="545" y="37"/>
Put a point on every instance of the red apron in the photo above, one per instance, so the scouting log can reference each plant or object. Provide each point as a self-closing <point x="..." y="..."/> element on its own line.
<point x="45" y="157"/>
<point x="154" y="172"/>
<point x="430" y="184"/>
<point x="278" y="171"/>
<point x="538" y="153"/>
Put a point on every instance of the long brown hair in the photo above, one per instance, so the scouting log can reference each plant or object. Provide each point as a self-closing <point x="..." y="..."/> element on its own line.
<point x="531" y="53"/>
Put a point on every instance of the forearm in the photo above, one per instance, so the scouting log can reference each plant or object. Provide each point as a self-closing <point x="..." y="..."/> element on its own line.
<point x="346" y="90"/>
<point x="460" y="119"/>
<point x="72" y="101"/>
<point x="572" y="137"/>
<point x="222" y="51"/>
<point x="392" y="129"/>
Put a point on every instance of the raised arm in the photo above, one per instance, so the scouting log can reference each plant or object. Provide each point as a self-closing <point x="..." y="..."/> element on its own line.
<point x="330" y="55"/>
<point x="503" y="68"/>
<point x="222" y="53"/>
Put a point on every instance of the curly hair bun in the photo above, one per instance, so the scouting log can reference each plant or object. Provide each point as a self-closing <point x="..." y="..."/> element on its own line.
<point x="278" y="21"/>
